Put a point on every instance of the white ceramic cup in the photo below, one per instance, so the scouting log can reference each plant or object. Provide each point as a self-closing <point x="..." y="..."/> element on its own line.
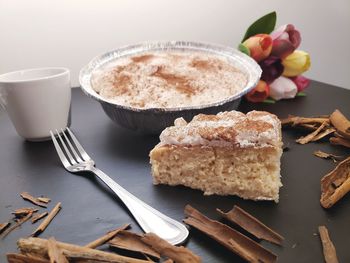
<point x="37" y="100"/>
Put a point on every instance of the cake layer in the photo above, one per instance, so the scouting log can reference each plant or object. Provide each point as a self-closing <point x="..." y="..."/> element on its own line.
<point x="251" y="173"/>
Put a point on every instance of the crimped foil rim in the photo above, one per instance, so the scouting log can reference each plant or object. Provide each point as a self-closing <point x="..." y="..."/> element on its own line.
<point x="245" y="63"/>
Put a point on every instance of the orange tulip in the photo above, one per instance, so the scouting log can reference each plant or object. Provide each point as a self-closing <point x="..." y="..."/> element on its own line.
<point x="260" y="46"/>
<point x="260" y="93"/>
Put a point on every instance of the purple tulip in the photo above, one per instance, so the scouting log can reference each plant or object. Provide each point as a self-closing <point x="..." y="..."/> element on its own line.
<point x="286" y="39"/>
<point x="272" y="68"/>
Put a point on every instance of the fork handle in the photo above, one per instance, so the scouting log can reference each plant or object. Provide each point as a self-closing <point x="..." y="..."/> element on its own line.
<point x="149" y="219"/>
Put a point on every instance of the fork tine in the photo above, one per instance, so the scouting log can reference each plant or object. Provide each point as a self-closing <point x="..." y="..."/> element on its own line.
<point x="76" y="156"/>
<point x="59" y="151"/>
<point x="70" y="157"/>
<point x="80" y="148"/>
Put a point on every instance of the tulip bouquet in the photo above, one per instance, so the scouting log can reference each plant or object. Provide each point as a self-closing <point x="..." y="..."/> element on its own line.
<point x="282" y="64"/>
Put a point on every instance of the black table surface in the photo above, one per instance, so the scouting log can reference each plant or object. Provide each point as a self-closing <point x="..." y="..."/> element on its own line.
<point x="89" y="209"/>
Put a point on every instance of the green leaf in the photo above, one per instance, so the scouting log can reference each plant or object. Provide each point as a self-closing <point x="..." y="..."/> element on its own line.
<point x="244" y="49"/>
<point x="269" y="101"/>
<point x="264" y="25"/>
<point x="301" y="94"/>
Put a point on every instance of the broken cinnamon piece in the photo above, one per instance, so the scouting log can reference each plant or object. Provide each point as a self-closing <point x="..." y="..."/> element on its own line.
<point x="39" y="247"/>
<point x="165" y="249"/>
<point x="339" y="141"/>
<point x="311" y="136"/>
<point x="329" y="251"/>
<point x="34" y="200"/>
<point x="3" y="226"/>
<point x="295" y="120"/>
<point x="18" y="223"/>
<point x="288" y="121"/>
<point x="20" y="258"/>
<point x="54" y="252"/>
<point x="323" y="134"/>
<point x="251" y="224"/>
<point x="21" y="212"/>
<point x="47" y="220"/>
<point x="325" y="155"/>
<point x="228" y="237"/>
<point x="337" y="134"/>
<point x="309" y="126"/>
<point x="335" y="184"/>
<point x="100" y="241"/>
<point x="45" y="200"/>
<point x="131" y="241"/>
<point x="341" y="123"/>
<point x="37" y="217"/>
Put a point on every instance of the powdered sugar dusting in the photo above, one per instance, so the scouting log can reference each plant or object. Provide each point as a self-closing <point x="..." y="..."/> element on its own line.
<point x="254" y="129"/>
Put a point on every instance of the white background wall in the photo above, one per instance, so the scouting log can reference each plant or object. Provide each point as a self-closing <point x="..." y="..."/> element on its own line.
<point x="36" y="33"/>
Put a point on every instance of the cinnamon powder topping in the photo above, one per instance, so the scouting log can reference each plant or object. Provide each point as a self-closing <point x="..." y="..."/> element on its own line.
<point x="168" y="79"/>
<point x="179" y="82"/>
<point x="142" y="58"/>
<point x="226" y="129"/>
<point x="122" y="82"/>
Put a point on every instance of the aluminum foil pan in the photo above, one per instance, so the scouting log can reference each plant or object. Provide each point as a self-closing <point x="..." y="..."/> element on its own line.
<point x="154" y="120"/>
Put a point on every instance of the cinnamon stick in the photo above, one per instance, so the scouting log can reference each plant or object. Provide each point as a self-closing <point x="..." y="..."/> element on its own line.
<point x="228" y="237"/>
<point x="323" y="134"/>
<point x="325" y="155"/>
<point x="340" y="141"/>
<point x="251" y="224"/>
<point x="39" y="247"/>
<point x="132" y="242"/>
<point x="309" y="126"/>
<point x="329" y="251"/>
<point x="38" y="217"/>
<point x="20" y="258"/>
<point x="165" y="249"/>
<point x="18" y="223"/>
<point x="47" y="220"/>
<point x="54" y="252"/>
<point x="32" y="199"/>
<point x="335" y="184"/>
<point x="45" y="200"/>
<point x="341" y="123"/>
<point x="21" y="212"/>
<point x="295" y="120"/>
<point x="311" y="136"/>
<point x="3" y="226"/>
<point x="100" y="241"/>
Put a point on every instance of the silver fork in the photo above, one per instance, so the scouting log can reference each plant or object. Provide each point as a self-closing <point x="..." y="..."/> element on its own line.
<point x="75" y="160"/>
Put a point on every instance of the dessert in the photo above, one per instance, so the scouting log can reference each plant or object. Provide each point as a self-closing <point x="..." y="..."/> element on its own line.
<point x="230" y="153"/>
<point x="168" y="79"/>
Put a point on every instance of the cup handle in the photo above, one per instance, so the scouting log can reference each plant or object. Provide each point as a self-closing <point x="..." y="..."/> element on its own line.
<point x="2" y="99"/>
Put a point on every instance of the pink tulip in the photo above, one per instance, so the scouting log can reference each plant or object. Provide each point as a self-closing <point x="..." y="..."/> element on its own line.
<point x="286" y="39"/>
<point x="301" y="82"/>
<point x="260" y="46"/>
<point x="283" y="88"/>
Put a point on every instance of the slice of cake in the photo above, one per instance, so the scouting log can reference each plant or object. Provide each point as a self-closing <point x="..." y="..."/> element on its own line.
<point x="230" y="153"/>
